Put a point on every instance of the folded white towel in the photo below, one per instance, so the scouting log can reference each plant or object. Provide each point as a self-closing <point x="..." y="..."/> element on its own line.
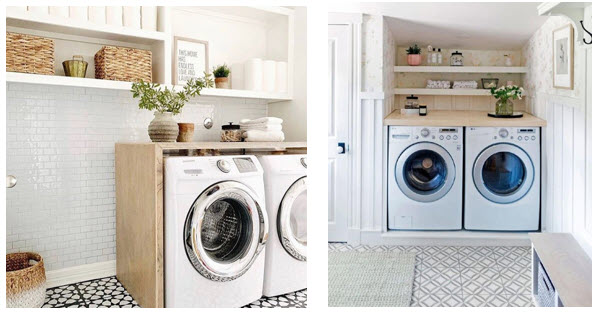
<point x="438" y="84"/>
<point x="465" y="84"/>
<point x="263" y="136"/>
<point x="262" y="127"/>
<point x="264" y="120"/>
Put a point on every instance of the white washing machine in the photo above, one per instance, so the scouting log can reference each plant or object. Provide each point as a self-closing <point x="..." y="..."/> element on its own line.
<point x="425" y="178"/>
<point x="215" y="230"/>
<point x="285" y="178"/>
<point x="502" y="179"/>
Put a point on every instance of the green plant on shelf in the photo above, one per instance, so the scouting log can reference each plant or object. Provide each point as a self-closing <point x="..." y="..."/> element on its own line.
<point x="414" y="50"/>
<point x="507" y="92"/>
<point x="153" y="97"/>
<point x="221" y="71"/>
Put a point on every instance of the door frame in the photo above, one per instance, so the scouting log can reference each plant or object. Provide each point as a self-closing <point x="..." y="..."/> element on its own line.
<point x="354" y="147"/>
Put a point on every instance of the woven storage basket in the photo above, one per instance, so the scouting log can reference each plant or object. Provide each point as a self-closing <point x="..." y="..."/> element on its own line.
<point x="29" y="54"/>
<point x="123" y="64"/>
<point x="25" y="280"/>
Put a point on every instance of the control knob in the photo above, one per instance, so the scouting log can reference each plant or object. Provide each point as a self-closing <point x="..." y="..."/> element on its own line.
<point x="223" y="165"/>
<point x="503" y="133"/>
<point x="425" y="132"/>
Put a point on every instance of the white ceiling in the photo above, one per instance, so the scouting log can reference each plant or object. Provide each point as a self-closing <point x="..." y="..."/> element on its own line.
<point x="457" y="25"/>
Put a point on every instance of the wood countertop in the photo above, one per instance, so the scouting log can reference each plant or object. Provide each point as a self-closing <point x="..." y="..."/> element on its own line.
<point x="461" y="118"/>
<point x="222" y="145"/>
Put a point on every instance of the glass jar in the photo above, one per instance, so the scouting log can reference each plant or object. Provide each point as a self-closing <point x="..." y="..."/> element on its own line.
<point x="504" y="107"/>
<point x="412" y="102"/>
<point x="231" y="133"/>
<point x="456" y="59"/>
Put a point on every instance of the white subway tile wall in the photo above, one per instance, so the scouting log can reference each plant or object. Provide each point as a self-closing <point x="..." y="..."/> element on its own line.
<point x="60" y="146"/>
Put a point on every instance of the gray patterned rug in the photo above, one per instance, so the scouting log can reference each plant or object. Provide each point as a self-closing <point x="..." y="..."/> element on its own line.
<point x="370" y="279"/>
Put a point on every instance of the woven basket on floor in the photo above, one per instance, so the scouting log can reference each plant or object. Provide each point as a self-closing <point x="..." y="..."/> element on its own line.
<point x="29" y="54"/>
<point x="25" y="280"/>
<point x="123" y="64"/>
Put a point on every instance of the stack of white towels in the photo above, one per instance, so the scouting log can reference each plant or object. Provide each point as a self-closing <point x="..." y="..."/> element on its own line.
<point x="465" y="84"/>
<point x="268" y="129"/>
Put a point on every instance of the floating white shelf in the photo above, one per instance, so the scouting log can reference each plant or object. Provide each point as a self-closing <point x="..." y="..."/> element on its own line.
<point x="48" y="23"/>
<point x="117" y="85"/>
<point x="457" y="69"/>
<point x="452" y="92"/>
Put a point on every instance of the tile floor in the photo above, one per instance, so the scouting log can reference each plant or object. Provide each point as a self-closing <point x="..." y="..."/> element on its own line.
<point x="108" y="292"/>
<point x="465" y="276"/>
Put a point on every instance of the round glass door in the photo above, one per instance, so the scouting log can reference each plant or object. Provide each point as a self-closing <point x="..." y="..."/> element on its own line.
<point x="225" y="231"/>
<point x="425" y="172"/>
<point x="292" y="220"/>
<point x="503" y="173"/>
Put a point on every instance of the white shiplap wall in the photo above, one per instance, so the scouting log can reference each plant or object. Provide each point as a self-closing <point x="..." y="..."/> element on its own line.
<point x="60" y="146"/>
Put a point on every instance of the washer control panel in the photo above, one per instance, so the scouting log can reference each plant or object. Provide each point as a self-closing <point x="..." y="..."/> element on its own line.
<point x="523" y="135"/>
<point x="430" y="134"/>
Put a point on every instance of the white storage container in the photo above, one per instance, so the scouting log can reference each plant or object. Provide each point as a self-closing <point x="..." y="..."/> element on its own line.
<point x="149" y="18"/>
<point x="254" y="74"/>
<point x="131" y="17"/>
<point x="97" y="15"/>
<point x="282" y="77"/>
<point x="78" y="13"/>
<point x="114" y="15"/>
<point x="59" y="11"/>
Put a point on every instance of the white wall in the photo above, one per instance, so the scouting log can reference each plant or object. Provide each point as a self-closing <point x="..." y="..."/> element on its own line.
<point x="294" y="112"/>
<point x="566" y="152"/>
<point x="60" y="146"/>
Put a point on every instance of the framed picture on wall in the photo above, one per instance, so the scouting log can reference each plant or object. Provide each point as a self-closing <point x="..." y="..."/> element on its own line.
<point x="190" y="59"/>
<point x="562" y="42"/>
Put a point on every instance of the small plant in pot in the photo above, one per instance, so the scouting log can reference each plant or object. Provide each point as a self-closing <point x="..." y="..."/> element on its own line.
<point x="221" y="74"/>
<point x="166" y="103"/>
<point x="414" y="57"/>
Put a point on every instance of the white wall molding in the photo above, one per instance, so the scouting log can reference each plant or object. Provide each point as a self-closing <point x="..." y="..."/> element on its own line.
<point x="451" y="238"/>
<point x="372" y="95"/>
<point x="65" y="276"/>
<point x="338" y="18"/>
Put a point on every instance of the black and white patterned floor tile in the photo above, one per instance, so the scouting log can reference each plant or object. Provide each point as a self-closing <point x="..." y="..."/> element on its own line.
<point x="464" y="275"/>
<point x="108" y="292"/>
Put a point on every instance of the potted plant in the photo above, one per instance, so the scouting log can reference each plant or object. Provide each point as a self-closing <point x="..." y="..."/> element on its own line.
<point x="221" y="74"/>
<point x="504" y="106"/>
<point x="166" y="103"/>
<point x="414" y="57"/>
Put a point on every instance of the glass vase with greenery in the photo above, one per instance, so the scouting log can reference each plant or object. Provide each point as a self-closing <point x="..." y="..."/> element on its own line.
<point x="504" y="106"/>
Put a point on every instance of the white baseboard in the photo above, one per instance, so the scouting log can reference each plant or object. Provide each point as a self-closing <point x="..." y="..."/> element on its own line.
<point x="454" y="238"/>
<point x="65" y="276"/>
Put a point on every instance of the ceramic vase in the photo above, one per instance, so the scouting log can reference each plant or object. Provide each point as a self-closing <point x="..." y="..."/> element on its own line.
<point x="414" y="59"/>
<point x="163" y="128"/>
<point x="221" y="82"/>
<point x="186" y="132"/>
<point x="504" y="107"/>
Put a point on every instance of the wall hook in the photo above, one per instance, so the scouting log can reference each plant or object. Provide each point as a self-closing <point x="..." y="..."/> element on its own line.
<point x="590" y="34"/>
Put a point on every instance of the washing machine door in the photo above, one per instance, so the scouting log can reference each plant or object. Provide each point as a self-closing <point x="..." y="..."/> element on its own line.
<point x="225" y="231"/>
<point x="292" y="220"/>
<point x="425" y="172"/>
<point x="503" y="173"/>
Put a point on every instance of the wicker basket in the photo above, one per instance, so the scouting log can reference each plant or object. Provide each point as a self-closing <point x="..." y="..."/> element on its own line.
<point x="123" y="64"/>
<point x="29" y="54"/>
<point x="25" y="280"/>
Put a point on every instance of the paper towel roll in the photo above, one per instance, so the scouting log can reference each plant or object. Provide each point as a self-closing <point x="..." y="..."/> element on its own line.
<point x="115" y="16"/>
<point x="149" y="18"/>
<point x="254" y="74"/>
<point x="237" y="75"/>
<point x="42" y="10"/>
<point x="269" y="76"/>
<point x="78" y="13"/>
<point x="131" y="17"/>
<point x="59" y="11"/>
<point x="97" y="15"/>
<point x="282" y="77"/>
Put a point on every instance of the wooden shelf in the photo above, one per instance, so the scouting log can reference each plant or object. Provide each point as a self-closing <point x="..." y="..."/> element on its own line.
<point x="433" y="91"/>
<point x="54" y="24"/>
<point x="232" y="145"/>
<point x="457" y="69"/>
<point x="118" y="85"/>
<point x="461" y="118"/>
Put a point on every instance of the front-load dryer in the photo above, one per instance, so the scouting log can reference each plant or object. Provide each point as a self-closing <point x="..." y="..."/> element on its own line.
<point x="215" y="230"/>
<point x="502" y="190"/>
<point x="285" y="178"/>
<point x="425" y="178"/>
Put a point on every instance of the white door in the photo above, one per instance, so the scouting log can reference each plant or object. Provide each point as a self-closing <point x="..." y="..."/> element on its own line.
<point x="339" y="107"/>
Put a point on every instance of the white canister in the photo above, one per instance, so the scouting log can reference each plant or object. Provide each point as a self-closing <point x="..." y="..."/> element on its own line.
<point x="149" y="18"/>
<point x="78" y="13"/>
<point x="269" y="76"/>
<point x="131" y="17"/>
<point x="38" y="10"/>
<point x="281" y="77"/>
<point x="59" y="11"/>
<point x="97" y="15"/>
<point x="254" y="74"/>
<point x="114" y="16"/>
<point x="237" y="75"/>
